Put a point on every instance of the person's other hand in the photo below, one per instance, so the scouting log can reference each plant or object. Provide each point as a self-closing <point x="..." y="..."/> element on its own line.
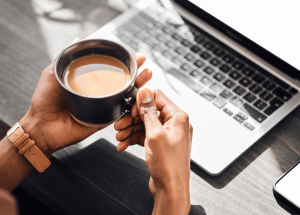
<point x="49" y="122"/>
<point x="167" y="141"/>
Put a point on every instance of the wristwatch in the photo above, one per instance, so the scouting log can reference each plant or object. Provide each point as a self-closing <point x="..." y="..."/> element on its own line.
<point x="27" y="148"/>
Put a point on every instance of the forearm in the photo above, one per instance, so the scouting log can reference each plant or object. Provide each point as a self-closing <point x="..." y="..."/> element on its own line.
<point x="168" y="203"/>
<point x="13" y="166"/>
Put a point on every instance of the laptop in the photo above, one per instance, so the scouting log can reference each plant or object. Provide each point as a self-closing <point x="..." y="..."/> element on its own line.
<point x="232" y="66"/>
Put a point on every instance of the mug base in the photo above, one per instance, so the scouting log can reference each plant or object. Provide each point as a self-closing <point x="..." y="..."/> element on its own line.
<point x="94" y="125"/>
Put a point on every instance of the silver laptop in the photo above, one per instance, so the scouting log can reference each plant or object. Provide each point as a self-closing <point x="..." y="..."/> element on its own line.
<point x="233" y="66"/>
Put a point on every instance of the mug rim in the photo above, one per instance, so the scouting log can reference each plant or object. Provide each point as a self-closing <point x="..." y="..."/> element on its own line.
<point x="128" y="84"/>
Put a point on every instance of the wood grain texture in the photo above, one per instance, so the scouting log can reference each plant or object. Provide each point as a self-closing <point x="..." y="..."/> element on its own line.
<point x="97" y="179"/>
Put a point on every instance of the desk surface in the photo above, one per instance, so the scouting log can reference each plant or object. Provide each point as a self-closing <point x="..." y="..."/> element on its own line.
<point x="92" y="178"/>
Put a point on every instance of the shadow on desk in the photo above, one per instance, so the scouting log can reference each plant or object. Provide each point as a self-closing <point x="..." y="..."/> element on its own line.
<point x="98" y="180"/>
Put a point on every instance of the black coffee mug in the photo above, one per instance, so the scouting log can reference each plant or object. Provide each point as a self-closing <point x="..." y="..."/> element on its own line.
<point x="97" y="111"/>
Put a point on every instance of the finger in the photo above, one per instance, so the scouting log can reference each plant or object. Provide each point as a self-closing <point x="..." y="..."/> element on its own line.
<point x="122" y="135"/>
<point x="76" y="40"/>
<point x="191" y="136"/>
<point x="140" y="59"/>
<point x="148" y="112"/>
<point x="143" y="78"/>
<point x="165" y="106"/>
<point x="134" y="110"/>
<point x="136" y="138"/>
<point x="126" y="121"/>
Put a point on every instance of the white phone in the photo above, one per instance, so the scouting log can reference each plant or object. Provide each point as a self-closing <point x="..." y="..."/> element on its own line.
<point x="287" y="187"/>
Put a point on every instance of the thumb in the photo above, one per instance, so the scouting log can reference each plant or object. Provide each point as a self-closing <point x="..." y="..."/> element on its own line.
<point x="148" y="111"/>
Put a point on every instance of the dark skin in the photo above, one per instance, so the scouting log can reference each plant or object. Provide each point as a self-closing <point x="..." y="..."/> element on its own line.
<point x="155" y="122"/>
<point x="49" y="123"/>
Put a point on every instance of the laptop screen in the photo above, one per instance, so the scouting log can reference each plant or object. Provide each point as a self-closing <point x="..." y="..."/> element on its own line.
<point x="272" y="24"/>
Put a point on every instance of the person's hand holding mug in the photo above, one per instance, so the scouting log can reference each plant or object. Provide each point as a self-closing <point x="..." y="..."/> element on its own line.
<point x="49" y="123"/>
<point x="48" y="120"/>
<point x="167" y="140"/>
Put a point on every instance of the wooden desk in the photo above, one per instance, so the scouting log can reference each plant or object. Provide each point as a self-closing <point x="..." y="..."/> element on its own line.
<point x="97" y="179"/>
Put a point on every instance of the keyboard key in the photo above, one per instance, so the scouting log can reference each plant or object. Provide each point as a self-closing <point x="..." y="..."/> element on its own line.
<point x="208" y="95"/>
<point x="195" y="49"/>
<point x="162" y="38"/>
<point x="236" y="101"/>
<point x="293" y="91"/>
<point x="225" y="94"/>
<point x="259" y="117"/>
<point x="140" y="35"/>
<point x="167" y="30"/>
<point x="159" y="48"/>
<point x="260" y="104"/>
<point x="199" y="39"/>
<point x="214" y="61"/>
<point x="274" y="105"/>
<point x="185" y="42"/>
<point x="238" y="118"/>
<point x="206" y="81"/>
<point x="238" y="65"/>
<point x="184" y="78"/>
<point x="199" y="63"/>
<point x="255" y="88"/>
<point x="177" y="61"/>
<point x="258" y="78"/>
<point x="228" y="58"/>
<point x="180" y="51"/>
<point x="249" y="97"/>
<point x="205" y="55"/>
<point x="243" y="116"/>
<point x="227" y="111"/>
<point x="235" y="75"/>
<point x="177" y="36"/>
<point x="285" y="96"/>
<point x="224" y="68"/>
<point x="239" y="90"/>
<point x="168" y="55"/>
<point x="189" y="57"/>
<point x="216" y="87"/>
<point x="171" y="45"/>
<point x="196" y="74"/>
<point x="266" y="95"/>
<point x="275" y="79"/>
<point x="208" y="45"/>
<point x="185" y="67"/>
<point x="269" y="85"/>
<point x="218" y="52"/>
<point x="219" y="102"/>
<point x="150" y="42"/>
<point x="245" y="82"/>
<point x="209" y="70"/>
<point x="251" y="127"/>
<point x="228" y="83"/>
<point x="219" y="77"/>
<point x="248" y="71"/>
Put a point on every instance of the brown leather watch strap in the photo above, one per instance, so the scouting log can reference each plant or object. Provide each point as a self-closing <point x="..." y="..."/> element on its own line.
<point x="27" y="147"/>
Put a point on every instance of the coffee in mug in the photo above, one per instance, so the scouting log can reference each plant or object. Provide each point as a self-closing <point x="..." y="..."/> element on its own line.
<point x="96" y="75"/>
<point x="96" y="78"/>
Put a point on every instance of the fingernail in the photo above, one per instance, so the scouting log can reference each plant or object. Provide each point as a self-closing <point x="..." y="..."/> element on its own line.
<point x="76" y="39"/>
<point x="146" y="96"/>
<point x="120" y="144"/>
<point x="139" y="54"/>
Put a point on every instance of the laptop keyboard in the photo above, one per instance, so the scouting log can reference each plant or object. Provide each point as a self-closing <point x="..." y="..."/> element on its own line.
<point x="206" y="66"/>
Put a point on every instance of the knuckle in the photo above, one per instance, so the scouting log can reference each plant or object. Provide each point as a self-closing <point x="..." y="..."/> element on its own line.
<point x="155" y="135"/>
<point x="149" y="111"/>
<point x="184" y="117"/>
